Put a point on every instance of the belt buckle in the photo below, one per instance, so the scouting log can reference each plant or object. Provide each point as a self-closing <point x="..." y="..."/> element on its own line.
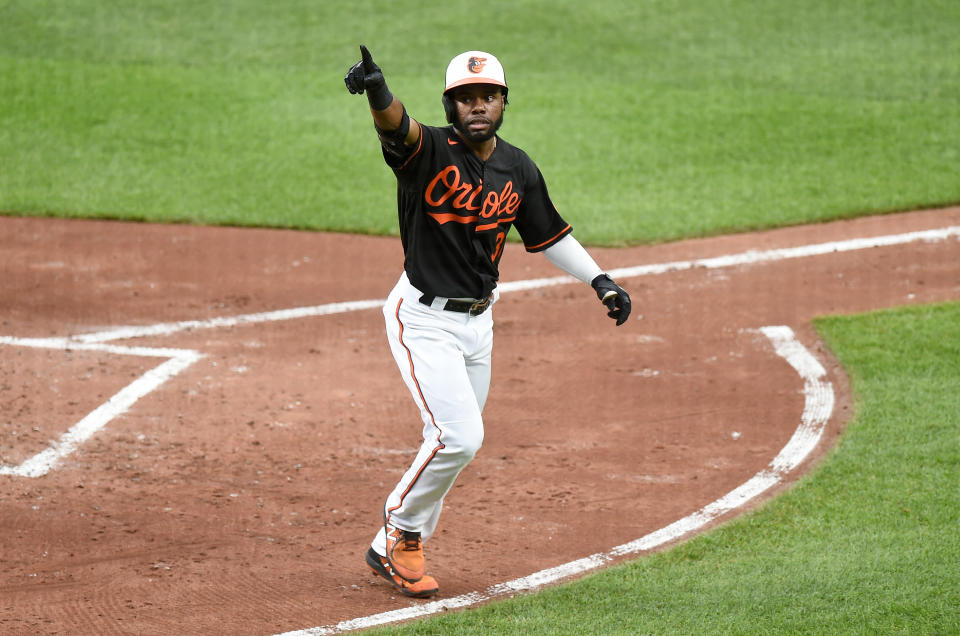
<point x="480" y="306"/>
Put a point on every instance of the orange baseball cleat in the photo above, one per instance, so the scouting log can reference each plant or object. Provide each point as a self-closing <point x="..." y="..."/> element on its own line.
<point x="423" y="587"/>
<point x="405" y="552"/>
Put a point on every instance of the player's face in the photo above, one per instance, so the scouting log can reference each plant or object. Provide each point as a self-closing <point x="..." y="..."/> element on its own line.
<point x="479" y="111"/>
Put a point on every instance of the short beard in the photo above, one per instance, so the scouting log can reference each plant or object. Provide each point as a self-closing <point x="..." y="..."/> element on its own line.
<point x="478" y="137"/>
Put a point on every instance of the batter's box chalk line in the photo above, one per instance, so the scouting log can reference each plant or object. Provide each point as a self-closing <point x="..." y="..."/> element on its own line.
<point x="176" y="361"/>
<point x="818" y="405"/>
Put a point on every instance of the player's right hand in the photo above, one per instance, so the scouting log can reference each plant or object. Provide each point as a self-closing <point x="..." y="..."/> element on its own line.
<point x="363" y="75"/>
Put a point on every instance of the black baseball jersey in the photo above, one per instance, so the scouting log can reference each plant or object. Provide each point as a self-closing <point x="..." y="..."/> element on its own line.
<point x="456" y="210"/>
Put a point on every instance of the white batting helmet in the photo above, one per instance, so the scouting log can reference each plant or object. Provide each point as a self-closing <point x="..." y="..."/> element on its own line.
<point x="474" y="67"/>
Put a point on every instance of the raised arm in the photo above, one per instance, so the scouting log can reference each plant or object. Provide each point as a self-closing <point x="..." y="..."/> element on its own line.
<point x="389" y="115"/>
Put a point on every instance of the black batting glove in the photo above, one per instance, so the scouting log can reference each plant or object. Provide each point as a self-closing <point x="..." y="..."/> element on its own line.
<point x="365" y="75"/>
<point x="613" y="296"/>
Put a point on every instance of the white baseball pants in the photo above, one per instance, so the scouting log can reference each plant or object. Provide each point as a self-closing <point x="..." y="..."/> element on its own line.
<point x="444" y="358"/>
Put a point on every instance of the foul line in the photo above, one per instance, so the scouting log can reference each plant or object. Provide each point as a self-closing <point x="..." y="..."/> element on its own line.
<point x="744" y="258"/>
<point x="167" y="328"/>
<point x="41" y="463"/>
<point x="752" y="257"/>
<point x="818" y="405"/>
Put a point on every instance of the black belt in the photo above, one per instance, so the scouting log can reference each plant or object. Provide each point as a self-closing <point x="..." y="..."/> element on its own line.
<point x="472" y="307"/>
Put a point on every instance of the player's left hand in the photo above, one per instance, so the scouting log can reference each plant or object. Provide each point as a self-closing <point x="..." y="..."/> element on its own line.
<point x="616" y="299"/>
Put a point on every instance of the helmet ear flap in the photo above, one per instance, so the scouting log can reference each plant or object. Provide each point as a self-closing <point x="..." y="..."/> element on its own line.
<point x="449" y="108"/>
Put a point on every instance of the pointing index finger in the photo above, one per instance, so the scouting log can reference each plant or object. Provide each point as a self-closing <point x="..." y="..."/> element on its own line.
<point x="367" y="59"/>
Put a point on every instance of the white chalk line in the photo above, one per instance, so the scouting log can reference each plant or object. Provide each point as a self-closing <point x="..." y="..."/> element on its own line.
<point x="751" y="257"/>
<point x="744" y="258"/>
<point x="44" y="461"/>
<point x="180" y="359"/>
<point x="818" y="405"/>
<point x="168" y="328"/>
<point x="94" y="341"/>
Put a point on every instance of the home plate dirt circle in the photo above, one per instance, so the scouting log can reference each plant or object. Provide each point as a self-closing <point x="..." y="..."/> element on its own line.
<point x="199" y="425"/>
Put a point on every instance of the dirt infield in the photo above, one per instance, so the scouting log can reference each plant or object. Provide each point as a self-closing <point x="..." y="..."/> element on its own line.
<point x="197" y="436"/>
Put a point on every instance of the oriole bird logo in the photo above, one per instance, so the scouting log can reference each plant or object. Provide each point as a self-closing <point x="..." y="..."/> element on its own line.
<point x="476" y="64"/>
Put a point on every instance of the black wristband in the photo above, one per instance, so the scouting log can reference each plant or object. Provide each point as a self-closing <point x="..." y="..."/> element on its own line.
<point x="379" y="96"/>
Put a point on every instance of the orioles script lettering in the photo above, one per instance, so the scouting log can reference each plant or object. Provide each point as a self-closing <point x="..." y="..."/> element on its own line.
<point x="447" y="187"/>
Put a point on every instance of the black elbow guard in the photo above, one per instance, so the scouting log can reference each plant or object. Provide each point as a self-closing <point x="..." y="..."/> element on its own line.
<point x="394" y="141"/>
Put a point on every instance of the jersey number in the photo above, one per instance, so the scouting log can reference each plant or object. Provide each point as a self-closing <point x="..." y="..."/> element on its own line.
<point x="499" y="246"/>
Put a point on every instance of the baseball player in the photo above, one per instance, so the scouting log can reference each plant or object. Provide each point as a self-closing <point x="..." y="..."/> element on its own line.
<point x="460" y="188"/>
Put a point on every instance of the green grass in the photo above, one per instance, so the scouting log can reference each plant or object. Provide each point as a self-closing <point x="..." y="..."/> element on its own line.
<point x="866" y="544"/>
<point x="651" y="121"/>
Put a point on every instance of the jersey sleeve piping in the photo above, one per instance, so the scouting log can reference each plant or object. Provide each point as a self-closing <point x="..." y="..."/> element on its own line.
<point x="550" y="241"/>
<point x="416" y="151"/>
